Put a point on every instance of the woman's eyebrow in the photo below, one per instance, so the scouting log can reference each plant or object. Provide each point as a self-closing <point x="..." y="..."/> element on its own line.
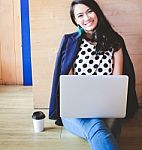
<point x="79" y="13"/>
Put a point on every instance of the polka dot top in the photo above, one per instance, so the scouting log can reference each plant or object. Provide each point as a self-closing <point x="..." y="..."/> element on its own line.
<point x="89" y="62"/>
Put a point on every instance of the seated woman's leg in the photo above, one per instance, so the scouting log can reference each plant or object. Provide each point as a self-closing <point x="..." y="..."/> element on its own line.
<point x="114" y="124"/>
<point x="93" y="130"/>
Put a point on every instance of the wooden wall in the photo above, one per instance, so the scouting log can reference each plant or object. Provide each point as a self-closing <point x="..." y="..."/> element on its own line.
<point x="50" y="20"/>
<point x="10" y="42"/>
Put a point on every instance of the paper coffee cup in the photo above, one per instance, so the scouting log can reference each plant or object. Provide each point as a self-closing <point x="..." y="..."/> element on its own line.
<point x="38" y="121"/>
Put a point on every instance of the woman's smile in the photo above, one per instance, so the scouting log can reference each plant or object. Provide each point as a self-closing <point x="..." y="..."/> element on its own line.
<point x="85" y="17"/>
<point x="88" y="23"/>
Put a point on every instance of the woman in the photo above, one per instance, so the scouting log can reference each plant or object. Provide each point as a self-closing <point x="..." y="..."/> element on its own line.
<point x="95" y="49"/>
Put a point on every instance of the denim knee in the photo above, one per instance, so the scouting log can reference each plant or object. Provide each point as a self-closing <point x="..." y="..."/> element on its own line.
<point x="93" y="127"/>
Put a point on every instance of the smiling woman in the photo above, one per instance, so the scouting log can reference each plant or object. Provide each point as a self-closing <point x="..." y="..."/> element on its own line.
<point x="97" y="50"/>
<point x="48" y="15"/>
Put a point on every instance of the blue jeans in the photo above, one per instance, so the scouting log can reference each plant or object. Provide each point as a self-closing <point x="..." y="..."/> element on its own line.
<point x="93" y="130"/>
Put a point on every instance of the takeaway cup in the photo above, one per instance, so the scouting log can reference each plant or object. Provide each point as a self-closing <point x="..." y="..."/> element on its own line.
<point x="38" y="121"/>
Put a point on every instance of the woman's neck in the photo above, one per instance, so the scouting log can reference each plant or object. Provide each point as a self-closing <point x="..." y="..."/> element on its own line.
<point x="89" y="36"/>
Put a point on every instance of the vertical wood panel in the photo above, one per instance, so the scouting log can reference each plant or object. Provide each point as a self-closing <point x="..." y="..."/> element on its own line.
<point x="50" y="20"/>
<point x="7" y="43"/>
<point x="17" y="41"/>
<point x="10" y="42"/>
<point x="0" y="63"/>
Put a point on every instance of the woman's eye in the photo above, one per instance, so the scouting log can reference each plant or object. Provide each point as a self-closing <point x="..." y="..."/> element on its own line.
<point x="90" y="11"/>
<point x="79" y="16"/>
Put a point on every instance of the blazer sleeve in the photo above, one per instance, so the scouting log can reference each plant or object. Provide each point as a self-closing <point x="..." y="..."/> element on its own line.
<point x="128" y="69"/>
<point x="54" y="98"/>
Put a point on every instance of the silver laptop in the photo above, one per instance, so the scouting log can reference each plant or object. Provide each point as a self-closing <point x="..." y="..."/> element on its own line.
<point x="88" y="96"/>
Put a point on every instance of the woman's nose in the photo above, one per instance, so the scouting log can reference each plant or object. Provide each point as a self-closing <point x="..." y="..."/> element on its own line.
<point x="86" y="17"/>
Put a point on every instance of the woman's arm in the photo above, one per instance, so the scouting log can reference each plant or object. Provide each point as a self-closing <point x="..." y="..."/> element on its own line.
<point x="118" y="62"/>
<point x="70" y="72"/>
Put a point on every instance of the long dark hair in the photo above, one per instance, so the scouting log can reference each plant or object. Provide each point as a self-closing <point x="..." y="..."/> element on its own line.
<point x="104" y="34"/>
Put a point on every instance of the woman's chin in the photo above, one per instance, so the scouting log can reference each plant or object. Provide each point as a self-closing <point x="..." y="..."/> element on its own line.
<point x="89" y="29"/>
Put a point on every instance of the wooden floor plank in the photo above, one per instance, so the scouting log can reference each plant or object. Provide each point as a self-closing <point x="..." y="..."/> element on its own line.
<point x="16" y="128"/>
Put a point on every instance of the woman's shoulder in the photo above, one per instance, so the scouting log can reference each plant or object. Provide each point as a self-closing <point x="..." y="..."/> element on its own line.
<point x="71" y="35"/>
<point x="120" y="38"/>
<point x="117" y="41"/>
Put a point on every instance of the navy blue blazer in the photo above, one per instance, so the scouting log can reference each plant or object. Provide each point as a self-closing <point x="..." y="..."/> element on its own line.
<point x="65" y="58"/>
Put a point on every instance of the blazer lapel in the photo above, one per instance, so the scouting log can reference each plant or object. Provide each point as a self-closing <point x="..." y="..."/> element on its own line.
<point x="70" y="54"/>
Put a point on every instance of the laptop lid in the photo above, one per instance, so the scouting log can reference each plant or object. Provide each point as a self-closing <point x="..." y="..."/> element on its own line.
<point x="88" y="96"/>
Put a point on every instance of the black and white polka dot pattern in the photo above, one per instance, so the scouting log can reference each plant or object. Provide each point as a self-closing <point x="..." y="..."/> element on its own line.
<point x="88" y="62"/>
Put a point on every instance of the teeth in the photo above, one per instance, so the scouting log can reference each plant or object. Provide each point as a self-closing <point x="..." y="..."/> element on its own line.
<point x="88" y="23"/>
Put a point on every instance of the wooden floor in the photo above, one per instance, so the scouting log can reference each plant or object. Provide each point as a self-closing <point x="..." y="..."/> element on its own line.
<point x="16" y="128"/>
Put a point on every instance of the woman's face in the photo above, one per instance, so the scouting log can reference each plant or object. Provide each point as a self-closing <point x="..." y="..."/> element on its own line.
<point x="85" y="17"/>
